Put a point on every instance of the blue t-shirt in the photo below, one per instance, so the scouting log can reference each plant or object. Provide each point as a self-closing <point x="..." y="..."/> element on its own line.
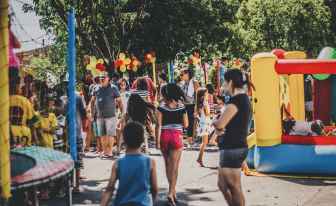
<point x="134" y="180"/>
<point x="222" y="70"/>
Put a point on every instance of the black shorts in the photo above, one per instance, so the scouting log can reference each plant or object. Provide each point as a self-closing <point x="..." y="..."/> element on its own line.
<point x="232" y="158"/>
<point x="79" y="164"/>
<point x="190" y="112"/>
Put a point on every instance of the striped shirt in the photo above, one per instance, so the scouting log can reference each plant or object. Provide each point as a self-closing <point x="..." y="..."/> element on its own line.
<point x="143" y="93"/>
<point x="172" y="118"/>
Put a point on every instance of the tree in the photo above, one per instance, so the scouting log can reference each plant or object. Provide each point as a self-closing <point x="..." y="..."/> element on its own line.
<point x="136" y="27"/>
<point x="287" y="24"/>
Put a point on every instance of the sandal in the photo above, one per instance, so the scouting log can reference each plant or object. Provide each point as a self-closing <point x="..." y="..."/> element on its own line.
<point x="61" y="194"/>
<point x="45" y="197"/>
<point x="82" y="177"/>
<point x="86" y="150"/>
<point x="170" y="202"/>
<point x="76" y="191"/>
<point x="94" y="150"/>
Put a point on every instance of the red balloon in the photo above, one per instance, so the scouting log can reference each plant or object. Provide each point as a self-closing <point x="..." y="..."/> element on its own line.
<point x="116" y="63"/>
<point x="139" y="64"/>
<point x="196" y="55"/>
<point x="146" y="56"/>
<point x="153" y="54"/>
<point x="237" y="63"/>
<point x="102" y="69"/>
<point x="133" y="59"/>
<point x="99" y="66"/>
<point x="191" y="61"/>
<point x="131" y="66"/>
<point x="147" y="60"/>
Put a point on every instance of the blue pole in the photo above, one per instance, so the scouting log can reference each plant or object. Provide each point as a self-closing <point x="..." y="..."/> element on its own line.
<point x="72" y="84"/>
<point x="172" y="70"/>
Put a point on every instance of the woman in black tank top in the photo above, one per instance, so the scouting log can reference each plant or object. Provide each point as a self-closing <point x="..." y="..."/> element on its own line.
<point x="232" y="130"/>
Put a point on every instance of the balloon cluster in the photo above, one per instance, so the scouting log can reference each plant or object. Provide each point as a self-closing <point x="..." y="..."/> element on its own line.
<point x="95" y="66"/>
<point x="194" y="60"/>
<point x="237" y="63"/>
<point x="127" y="63"/>
<point x="150" y="57"/>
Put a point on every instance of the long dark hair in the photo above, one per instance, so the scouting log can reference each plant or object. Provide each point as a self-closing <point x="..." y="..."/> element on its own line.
<point x="210" y="88"/>
<point x="139" y="110"/>
<point x="237" y="79"/>
<point x="200" y="98"/>
<point x="287" y="125"/>
<point x="172" y="91"/>
<point x="142" y="83"/>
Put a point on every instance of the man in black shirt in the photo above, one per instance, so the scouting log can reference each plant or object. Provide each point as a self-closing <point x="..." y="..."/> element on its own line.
<point x="86" y="82"/>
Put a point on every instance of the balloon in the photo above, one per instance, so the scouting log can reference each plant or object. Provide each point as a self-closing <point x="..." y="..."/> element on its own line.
<point x="194" y="59"/>
<point x="135" y="69"/>
<point x="127" y="61"/>
<point x="122" y="56"/>
<point x="128" y="67"/>
<point x="237" y="63"/>
<point x="88" y="66"/>
<point x="149" y="56"/>
<point x="93" y="59"/>
<point x="191" y="56"/>
<point x="147" y="60"/>
<point x="321" y="76"/>
<point x="139" y="64"/>
<point x="135" y="63"/>
<point x="198" y="60"/>
<point x="103" y="69"/>
<point x="152" y="53"/>
<point x="134" y="59"/>
<point x="93" y="64"/>
<point x="131" y="66"/>
<point x="153" y="59"/>
<point x="195" y="63"/>
<point x="191" y="61"/>
<point x="93" y="70"/>
<point x="122" y="68"/>
<point x="100" y="61"/>
<point x="196" y="55"/>
<point x="99" y="66"/>
<point x="119" y="62"/>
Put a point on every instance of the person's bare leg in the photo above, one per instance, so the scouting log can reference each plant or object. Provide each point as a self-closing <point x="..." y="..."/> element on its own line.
<point x="110" y="145"/>
<point x="165" y="155"/>
<point x="213" y="139"/>
<point x="194" y="131"/>
<point x="174" y="157"/>
<point x="231" y="179"/>
<point x="204" y="144"/>
<point x="46" y="190"/>
<point x="104" y="144"/>
<point x="89" y="134"/>
<point x="35" y="197"/>
<point x="189" y="142"/>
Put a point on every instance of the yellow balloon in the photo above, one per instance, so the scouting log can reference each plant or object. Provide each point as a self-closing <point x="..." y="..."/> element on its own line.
<point x="194" y="59"/>
<point x="135" y="63"/>
<point x="128" y="67"/>
<point x="88" y="66"/>
<point x="98" y="71"/>
<point x="127" y="61"/>
<point x="100" y="61"/>
<point x="195" y="63"/>
<point x="149" y="56"/>
<point x="122" y="56"/>
<point x="93" y="64"/>
<point x="122" y="68"/>
<point x="198" y="60"/>
<point x="152" y="59"/>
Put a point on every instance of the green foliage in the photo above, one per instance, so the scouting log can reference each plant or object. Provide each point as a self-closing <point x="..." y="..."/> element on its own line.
<point x="264" y="25"/>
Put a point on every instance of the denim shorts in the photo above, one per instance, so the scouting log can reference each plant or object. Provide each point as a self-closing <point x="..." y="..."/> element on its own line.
<point x="107" y="126"/>
<point x="232" y="158"/>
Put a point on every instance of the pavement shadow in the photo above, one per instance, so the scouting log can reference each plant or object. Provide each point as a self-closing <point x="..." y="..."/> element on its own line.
<point x="310" y="181"/>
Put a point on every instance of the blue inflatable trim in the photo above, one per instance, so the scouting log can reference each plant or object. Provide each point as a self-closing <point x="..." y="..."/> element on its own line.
<point x="296" y="159"/>
<point x="250" y="158"/>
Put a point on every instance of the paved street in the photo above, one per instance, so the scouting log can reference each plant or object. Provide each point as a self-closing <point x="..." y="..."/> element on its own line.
<point x="198" y="186"/>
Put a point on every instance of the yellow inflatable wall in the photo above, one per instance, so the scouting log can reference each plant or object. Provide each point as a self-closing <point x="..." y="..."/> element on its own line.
<point x="266" y="99"/>
<point x="296" y="91"/>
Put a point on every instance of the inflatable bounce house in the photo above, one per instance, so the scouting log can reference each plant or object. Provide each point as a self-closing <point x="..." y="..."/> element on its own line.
<point x="279" y="83"/>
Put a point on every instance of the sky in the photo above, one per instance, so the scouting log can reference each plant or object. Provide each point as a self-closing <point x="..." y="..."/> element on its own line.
<point x="30" y="27"/>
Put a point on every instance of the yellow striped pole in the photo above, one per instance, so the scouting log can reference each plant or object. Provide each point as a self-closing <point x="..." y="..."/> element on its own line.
<point x="4" y="101"/>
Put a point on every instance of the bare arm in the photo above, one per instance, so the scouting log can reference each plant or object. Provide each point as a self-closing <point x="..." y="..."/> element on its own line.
<point x="121" y="133"/>
<point x="185" y="121"/>
<point x="121" y="105"/>
<point x="158" y="128"/>
<point x="111" y="185"/>
<point x="92" y="103"/>
<point x="148" y="99"/>
<point x="196" y="86"/>
<point x="230" y="111"/>
<point x="206" y="112"/>
<point x="34" y="135"/>
<point x="153" y="181"/>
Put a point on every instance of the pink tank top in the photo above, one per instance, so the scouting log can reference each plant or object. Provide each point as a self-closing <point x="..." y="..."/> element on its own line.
<point x="13" y="60"/>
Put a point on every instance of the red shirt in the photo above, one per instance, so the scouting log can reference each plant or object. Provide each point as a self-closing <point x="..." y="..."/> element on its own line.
<point x="150" y="87"/>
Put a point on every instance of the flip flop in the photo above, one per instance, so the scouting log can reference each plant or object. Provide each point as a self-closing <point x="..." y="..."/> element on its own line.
<point x="170" y="202"/>
<point x="45" y="197"/>
<point x="86" y="150"/>
<point x="61" y="194"/>
<point x="76" y="191"/>
<point x="106" y="156"/>
<point x="82" y="177"/>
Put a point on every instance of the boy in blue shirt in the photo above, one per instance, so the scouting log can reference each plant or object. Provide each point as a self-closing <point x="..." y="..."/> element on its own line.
<point x="136" y="172"/>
